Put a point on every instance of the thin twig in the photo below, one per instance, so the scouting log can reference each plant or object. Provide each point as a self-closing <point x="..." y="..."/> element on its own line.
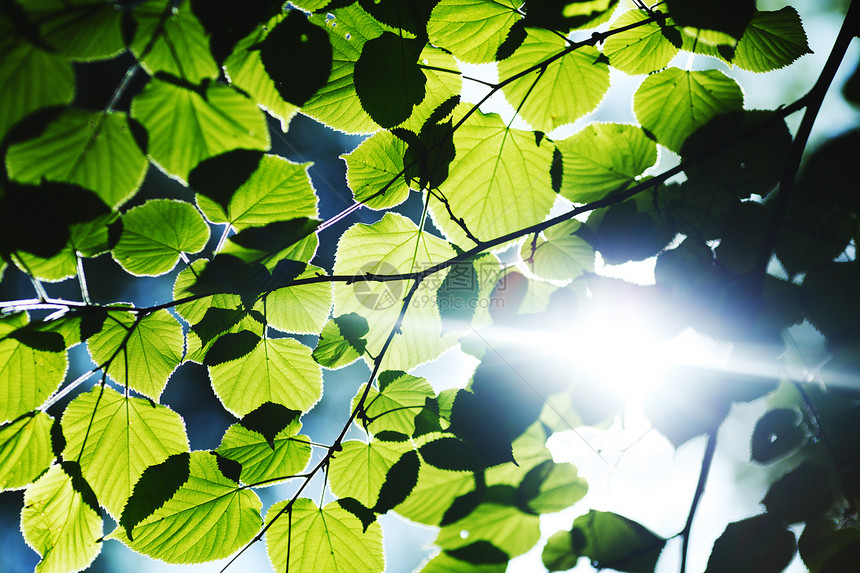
<point x="707" y="458"/>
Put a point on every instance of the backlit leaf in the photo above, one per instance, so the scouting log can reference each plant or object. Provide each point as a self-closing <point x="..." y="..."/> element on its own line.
<point x="209" y="517"/>
<point x="57" y="523"/>
<point x="499" y="181"/>
<point x="561" y="255"/>
<point x="393" y="245"/>
<point x="144" y="359"/>
<point x="359" y="470"/>
<point x="262" y="462"/>
<point x="169" y="38"/>
<point x="155" y="234"/>
<point x="131" y="432"/>
<point x="245" y="70"/>
<point x="277" y="190"/>
<point x="543" y="97"/>
<point x="25" y="450"/>
<point x="433" y="494"/>
<point x="23" y="69"/>
<point x="322" y="539"/>
<point x="394" y="406"/>
<point x="472" y="31"/>
<point x="27" y="376"/>
<point x="771" y="41"/>
<point x="278" y="370"/>
<point x="374" y="171"/>
<point x="185" y="127"/>
<point x="673" y="103"/>
<point x="503" y="526"/>
<point x="641" y="50"/>
<point x="84" y="31"/>
<point x="768" y="547"/>
<point x="336" y="103"/>
<point x="93" y="150"/>
<point x="342" y="341"/>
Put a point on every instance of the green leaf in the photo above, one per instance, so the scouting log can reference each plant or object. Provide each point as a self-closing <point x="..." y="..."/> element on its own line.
<point x="561" y="255"/>
<point x="336" y="103"/>
<point x="186" y="126"/>
<point x="359" y="470"/>
<point x="276" y="190"/>
<point x="772" y="40"/>
<point x="768" y="547"/>
<point x="434" y="493"/>
<point x="155" y="487"/>
<point x="155" y="234"/>
<point x="641" y="50"/>
<point x="298" y="77"/>
<point x="443" y="84"/>
<point x="603" y="157"/>
<point x="609" y="540"/>
<point x="374" y="171"/>
<point x="501" y="525"/>
<point x="393" y="245"/>
<point x="59" y="524"/>
<point x="286" y="455"/>
<point x="27" y="376"/>
<point x="301" y="309"/>
<point x="342" y="341"/>
<point x="544" y="97"/>
<point x="142" y="353"/>
<point x="25" y="450"/>
<point x="499" y="181"/>
<point x="131" y="432"/>
<point x="777" y="433"/>
<point x="195" y="311"/>
<point x="322" y="539"/>
<point x="23" y="70"/>
<point x="472" y="31"/>
<point x="209" y="517"/>
<point x="83" y="31"/>
<point x="87" y="239"/>
<point x="388" y="79"/>
<point x="395" y="404"/>
<point x="169" y="38"/>
<point x="674" y="103"/>
<point x="278" y="370"/>
<point x="551" y="487"/>
<point x="245" y="70"/>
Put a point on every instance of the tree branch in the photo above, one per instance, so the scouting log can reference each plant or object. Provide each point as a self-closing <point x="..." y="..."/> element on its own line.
<point x="707" y="458"/>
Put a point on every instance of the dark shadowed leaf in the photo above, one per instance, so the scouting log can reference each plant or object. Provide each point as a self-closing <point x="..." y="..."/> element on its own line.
<point x="156" y="485"/>
<point x="364" y="514"/>
<point x="297" y="56"/>
<point x="758" y="544"/>
<point x="776" y="434"/>
<point x="269" y="419"/>
<point x="728" y="17"/>
<point x="399" y="482"/>
<point x="231" y="346"/>
<point x="802" y="494"/>
<point x="388" y="81"/>
<point x="219" y="177"/>
<point x="216" y="321"/>
<point x="478" y="553"/>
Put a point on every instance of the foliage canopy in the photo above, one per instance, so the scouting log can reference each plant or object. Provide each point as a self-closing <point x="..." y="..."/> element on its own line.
<point x="513" y="221"/>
